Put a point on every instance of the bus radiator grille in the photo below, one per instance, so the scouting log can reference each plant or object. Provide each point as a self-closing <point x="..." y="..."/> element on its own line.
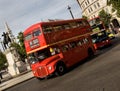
<point x="42" y="72"/>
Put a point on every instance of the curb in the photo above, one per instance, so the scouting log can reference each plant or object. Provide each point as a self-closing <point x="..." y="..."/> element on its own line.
<point x="16" y="80"/>
<point x="3" y="89"/>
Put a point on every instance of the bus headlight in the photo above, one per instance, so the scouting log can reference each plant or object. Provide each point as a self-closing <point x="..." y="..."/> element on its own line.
<point x="50" y="67"/>
<point x="107" y="40"/>
<point x="34" y="72"/>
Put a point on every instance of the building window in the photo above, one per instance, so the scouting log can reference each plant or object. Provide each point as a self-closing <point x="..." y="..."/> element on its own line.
<point x="95" y="6"/>
<point x="98" y="4"/>
<point x="88" y="1"/>
<point x="83" y="6"/>
<point x="91" y="9"/>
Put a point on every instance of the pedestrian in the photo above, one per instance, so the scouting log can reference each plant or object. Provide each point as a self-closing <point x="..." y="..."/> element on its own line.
<point x="1" y="75"/>
<point x="0" y="81"/>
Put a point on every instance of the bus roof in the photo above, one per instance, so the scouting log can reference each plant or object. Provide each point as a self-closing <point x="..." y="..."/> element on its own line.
<point x="37" y="25"/>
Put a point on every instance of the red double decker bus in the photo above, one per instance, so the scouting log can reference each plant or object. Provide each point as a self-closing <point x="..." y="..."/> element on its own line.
<point x="52" y="47"/>
<point x="100" y="35"/>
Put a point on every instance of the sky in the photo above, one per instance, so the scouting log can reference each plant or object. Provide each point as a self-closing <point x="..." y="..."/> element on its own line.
<point x="20" y="14"/>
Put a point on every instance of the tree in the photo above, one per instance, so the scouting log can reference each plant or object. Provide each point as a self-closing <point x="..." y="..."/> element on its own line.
<point x="85" y="17"/>
<point x="20" y="46"/>
<point x="105" y="17"/>
<point x="21" y="39"/>
<point x="115" y="5"/>
<point x="3" y="61"/>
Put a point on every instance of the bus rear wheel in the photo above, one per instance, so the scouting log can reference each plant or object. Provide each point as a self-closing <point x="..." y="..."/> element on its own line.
<point x="60" y="69"/>
<point x="90" y="53"/>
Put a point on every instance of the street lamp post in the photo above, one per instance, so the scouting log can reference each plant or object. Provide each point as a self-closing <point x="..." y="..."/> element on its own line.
<point x="69" y="8"/>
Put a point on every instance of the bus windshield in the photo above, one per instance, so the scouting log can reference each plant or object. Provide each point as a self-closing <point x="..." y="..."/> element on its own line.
<point x="36" y="32"/>
<point x="94" y="21"/>
<point x="96" y="24"/>
<point x="99" y="37"/>
<point x="39" y="56"/>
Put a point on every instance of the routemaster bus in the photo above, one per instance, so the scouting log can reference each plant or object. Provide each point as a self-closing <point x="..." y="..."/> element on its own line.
<point x="100" y="35"/>
<point x="100" y="39"/>
<point x="53" y="47"/>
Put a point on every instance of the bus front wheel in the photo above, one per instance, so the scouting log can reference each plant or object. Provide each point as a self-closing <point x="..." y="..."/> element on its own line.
<point x="40" y="78"/>
<point x="60" y="69"/>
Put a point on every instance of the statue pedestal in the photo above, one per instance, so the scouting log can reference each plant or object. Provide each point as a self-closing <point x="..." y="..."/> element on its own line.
<point x="15" y="65"/>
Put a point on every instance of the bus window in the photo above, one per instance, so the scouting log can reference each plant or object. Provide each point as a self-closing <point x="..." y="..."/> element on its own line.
<point x="54" y="51"/>
<point x="36" y="32"/>
<point x="85" y="23"/>
<point x="57" y="27"/>
<point x="100" y="26"/>
<point x="80" y="23"/>
<point x="28" y="37"/>
<point x="39" y="56"/>
<point x="43" y="54"/>
<point x="73" y="25"/>
<point x="79" y="43"/>
<point x="82" y="42"/>
<point x="85" y="40"/>
<point x="73" y="44"/>
<point x="66" y="26"/>
<point x="47" y="29"/>
<point x="32" y="59"/>
<point x="65" y="48"/>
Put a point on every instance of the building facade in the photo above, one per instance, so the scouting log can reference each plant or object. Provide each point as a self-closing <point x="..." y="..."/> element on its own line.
<point x="91" y="9"/>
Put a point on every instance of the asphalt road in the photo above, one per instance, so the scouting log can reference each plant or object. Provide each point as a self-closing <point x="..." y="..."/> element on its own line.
<point x="102" y="73"/>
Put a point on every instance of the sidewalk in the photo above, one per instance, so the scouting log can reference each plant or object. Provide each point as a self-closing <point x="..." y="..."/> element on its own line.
<point x="16" y="80"/>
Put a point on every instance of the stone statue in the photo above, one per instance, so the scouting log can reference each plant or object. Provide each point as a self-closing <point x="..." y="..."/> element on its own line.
<point x="6" y="40"/>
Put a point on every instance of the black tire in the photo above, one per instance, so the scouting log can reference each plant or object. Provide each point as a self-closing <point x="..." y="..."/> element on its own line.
<point x="40" y="78"/>
<point x="90" y="53"/>
<point x="60" y="69"/>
